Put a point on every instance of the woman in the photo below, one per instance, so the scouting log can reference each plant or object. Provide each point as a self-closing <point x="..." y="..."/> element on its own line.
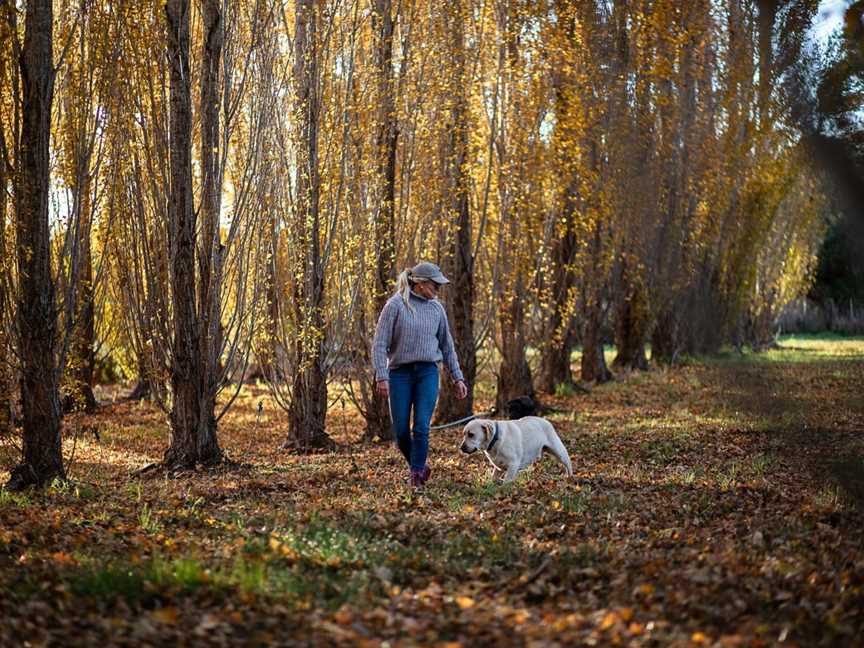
<point x="411" y="338"/>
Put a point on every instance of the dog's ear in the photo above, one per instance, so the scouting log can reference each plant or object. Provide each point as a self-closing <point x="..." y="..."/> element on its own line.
<point x="488" y="429"/>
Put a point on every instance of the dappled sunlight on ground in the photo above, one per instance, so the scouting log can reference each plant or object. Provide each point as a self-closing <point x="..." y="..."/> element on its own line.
<point x="714" y="502"/>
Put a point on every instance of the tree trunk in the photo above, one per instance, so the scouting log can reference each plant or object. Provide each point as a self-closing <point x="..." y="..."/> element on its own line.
<point x="79" y="388"/>
<point x="6" y="386"/>
<point x="767" y="16"/>
<point x="630" y="325"/>
<point x="188" y="445"/>
<point x="594" y="367"/>
<point x="308" y="409"/>
<point x="558" y="336"/>
<point x="629" y="339"/>
<point x="554" y="367"/>
<point x="514" y="374"/>
<point x="386" y="139"/>
<point x="459" y="260"/>
<point x="268" y="356"/>
<point x="210" y="248"/>
<point x="37" y="317"/>
<point x="664" y="339"/>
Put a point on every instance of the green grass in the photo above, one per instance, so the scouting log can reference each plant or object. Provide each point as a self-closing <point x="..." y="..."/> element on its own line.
<point x="139" y="583"/>
<point x="8" y="499"/>
<point x="148" y="520"/>
<point x="798" y="348"/>
<point x="579" y="502"/>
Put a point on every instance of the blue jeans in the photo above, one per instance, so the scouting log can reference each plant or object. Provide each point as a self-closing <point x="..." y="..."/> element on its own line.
<point x="414" y="384"/>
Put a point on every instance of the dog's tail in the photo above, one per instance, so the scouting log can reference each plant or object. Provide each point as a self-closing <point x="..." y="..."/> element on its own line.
<point x="556" y="447"/>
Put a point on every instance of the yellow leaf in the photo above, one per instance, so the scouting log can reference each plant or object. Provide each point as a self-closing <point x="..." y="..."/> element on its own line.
<point x="465" y="602"/>
<point x="699" y="638"/>
<point x="609" y="620"/>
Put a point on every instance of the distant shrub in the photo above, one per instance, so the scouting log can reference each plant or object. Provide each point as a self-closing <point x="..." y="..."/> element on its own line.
<point x="564" y="389"/>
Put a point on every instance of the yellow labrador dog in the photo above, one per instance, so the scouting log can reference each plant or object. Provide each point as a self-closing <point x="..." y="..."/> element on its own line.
<point x="512" y="446"/>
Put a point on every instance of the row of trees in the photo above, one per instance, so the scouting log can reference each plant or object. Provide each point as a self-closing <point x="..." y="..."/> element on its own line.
<point x="214" y="188"/>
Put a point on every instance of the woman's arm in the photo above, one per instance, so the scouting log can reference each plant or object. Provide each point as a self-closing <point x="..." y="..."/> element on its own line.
<point x="381" y="342"/>
<point x="448" y="349"/>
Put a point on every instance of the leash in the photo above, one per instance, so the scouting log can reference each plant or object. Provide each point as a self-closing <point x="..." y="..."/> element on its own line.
<point x="442" y="426"/>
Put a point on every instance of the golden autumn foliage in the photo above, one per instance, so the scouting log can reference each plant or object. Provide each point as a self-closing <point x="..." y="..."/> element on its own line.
<point x="588" y="171"/>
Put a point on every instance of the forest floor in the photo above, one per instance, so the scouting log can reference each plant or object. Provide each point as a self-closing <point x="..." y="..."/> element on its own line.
<point x="716" y="503"/>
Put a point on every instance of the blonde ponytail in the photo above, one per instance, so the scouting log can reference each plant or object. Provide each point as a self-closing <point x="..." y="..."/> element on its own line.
<point x="403" y="288"/>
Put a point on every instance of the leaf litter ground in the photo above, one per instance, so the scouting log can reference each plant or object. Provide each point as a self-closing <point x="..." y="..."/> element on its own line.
<point x="718" y="503"/>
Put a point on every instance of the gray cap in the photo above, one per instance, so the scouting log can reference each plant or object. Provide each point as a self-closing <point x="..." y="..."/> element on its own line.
<point x="425" y="270"/>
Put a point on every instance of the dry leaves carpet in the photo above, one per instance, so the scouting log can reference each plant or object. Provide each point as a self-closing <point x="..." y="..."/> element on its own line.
<point x="718" y="503"/>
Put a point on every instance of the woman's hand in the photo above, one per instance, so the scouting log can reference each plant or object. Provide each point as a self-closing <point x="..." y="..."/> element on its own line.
<point x="461" y="389"/>
<point x="383" y="388"/>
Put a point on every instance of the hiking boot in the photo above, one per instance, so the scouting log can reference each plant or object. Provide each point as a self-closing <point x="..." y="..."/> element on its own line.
<point x="425" y="473"/>
<point x="416" y="479"/>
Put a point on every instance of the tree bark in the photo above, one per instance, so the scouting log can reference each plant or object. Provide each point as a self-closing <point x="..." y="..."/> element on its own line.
<point x="268" y="356"/>
<point x="386" y="140"/>
<point x="514" y="374"/>
<point x="555" y="353"/>
<point x="767" y="16"/>
<point x="188" y="445"/>
<point x="558" y="335"/>
<point x="630" y="325"/>
<point x="210" y="248"/>
<point x="594" y="367"/>
<point x="37" y="317"/>
<point x="308" y="409"/>
<point x="665" y="345"/>
<point x="6" y="386"/>
<point x="80" y="383"/>
<point x="459" y="260"/>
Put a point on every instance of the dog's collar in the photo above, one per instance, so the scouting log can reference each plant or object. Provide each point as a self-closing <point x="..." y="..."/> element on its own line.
<point x="494" y="438"/>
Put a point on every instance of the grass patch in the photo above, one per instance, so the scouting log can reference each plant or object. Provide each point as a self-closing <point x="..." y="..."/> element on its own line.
<point x="848" y="472"/>
<point x="139" y="583"/>
<point x="478" y="548"/>
<point x="830" y="497"/>
<point x="8" y="499"/>
<point x="578" y="502"/>
<point x="663" y="450"/>
<point x="799" y="349"/>
<point x="564" y="390"/>
<point x="148" y="520"/>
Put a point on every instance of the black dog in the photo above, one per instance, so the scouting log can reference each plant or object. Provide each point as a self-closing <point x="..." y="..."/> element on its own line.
<point x="522" y="406"/>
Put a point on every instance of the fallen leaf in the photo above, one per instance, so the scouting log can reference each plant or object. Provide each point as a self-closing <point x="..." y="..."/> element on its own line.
<point x="167" y="615"/>
<point x="465" y="602"/>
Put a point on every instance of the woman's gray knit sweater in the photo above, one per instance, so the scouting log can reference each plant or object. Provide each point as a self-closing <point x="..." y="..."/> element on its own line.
<point x="422" y="336"/>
